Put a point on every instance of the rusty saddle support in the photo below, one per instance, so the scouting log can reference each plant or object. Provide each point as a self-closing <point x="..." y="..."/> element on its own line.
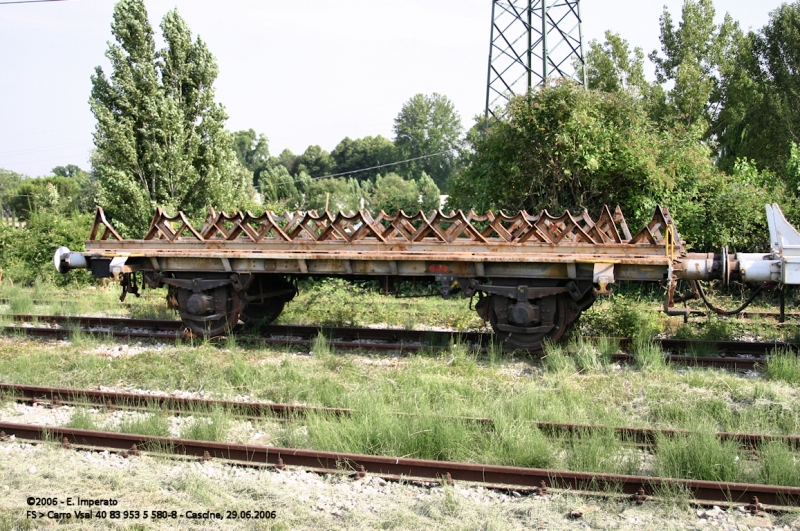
<point x="533" y="274"/>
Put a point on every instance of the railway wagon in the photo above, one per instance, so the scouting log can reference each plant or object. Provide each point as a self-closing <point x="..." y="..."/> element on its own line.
<point x="532" y="274"/>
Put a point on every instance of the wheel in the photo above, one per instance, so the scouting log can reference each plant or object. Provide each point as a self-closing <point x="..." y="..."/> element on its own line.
<point x="266" y="297"/>
<point x="209" y="313"/>
<point x="555" y="321"/>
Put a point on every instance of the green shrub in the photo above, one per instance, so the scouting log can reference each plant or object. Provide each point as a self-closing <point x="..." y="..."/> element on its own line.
<point x="26" y="254"/>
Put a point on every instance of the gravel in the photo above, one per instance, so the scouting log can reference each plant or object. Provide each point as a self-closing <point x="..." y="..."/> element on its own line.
<point x="306" y="500"/>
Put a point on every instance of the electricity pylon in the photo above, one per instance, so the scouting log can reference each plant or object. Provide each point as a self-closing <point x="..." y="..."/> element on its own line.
<point x="531" y="42"/>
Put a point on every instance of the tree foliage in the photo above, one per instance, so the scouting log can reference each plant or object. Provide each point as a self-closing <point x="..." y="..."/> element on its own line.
<point x="160" y="137"/>
<point x="351" y="155"/>
<point x="563" y="147"/>
<point x="252" y="151"/>
<point x="427" y="125"/>
<point x="613" y="67"/>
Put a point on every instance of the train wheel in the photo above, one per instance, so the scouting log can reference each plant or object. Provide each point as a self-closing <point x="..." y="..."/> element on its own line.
<point x="556" y="320"/>
<point x="209" y="313"/>
<point x="266" y="297"/>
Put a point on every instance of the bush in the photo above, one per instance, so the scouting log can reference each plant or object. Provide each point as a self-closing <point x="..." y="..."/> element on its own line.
<point x="563" y="147"/>
<point x="26" y="254"/>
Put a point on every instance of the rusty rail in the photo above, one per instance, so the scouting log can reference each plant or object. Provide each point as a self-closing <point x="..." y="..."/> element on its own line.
<point x="57" y="396"/>
<point x="412" y="468"/>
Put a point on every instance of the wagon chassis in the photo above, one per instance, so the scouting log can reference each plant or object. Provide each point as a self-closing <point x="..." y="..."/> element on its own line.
<point x="533" y="275"/>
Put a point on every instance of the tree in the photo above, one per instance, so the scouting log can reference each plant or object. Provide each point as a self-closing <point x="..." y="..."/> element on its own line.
<point x="351" y="155"/>
<point x="563" y="147"/>
<point x="768" y="102"/>
<point x="695" y="57"/>
<point x="252" y="151"/>
<point x="424" y="126"/>
<point x="315" y="161"/>
<point x="160" y="137"/>
<point x="340" y="195"/>
<point x="429" y="194"/>
<point x="287" y="159"/>
<point x="70" y="170"/>
<point x="392" y="193"/>
<point x="612" y="67"/>
<point x="278" y="187"/>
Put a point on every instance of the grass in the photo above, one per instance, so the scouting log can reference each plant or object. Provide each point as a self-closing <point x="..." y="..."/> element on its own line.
<point x="213" y="427"/>
<point x="700" y="455"/>
<point x="557" y="360"/>
<point x="601" y="451"/>
<point x="82" y="419"/>
<point x="647" y="354"/>
<point x="150" y="424"/>
<point x="783" y="365"/>
<point x="577" y="385"/>
<point x="779" y="465"/>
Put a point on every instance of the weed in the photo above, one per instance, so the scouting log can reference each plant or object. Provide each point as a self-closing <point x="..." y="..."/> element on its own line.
<point x="586" y="355"/>
<point x="779" y="465"/>
<point x="82" y="419"/>
<point x="556" y="360"/>
<point x="461" y="357"/>
<point x="600" y="451"/>
<point x="19" y="299"/>
<point x="152" y="424"/>
<point x="699" y="455"/>
<point x="230" y="341"/>
<point x="783" y="364"/>
<point x="647" y="354"/>
<point x="321" y="348"/>
<point x="607" y="346"/>
<point x="212" y="428"/>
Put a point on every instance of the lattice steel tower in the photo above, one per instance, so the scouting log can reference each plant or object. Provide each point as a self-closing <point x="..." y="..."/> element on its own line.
<point x="532" y="41"/>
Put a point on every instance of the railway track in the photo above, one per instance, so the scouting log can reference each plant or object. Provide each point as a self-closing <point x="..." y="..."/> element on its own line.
<point x="56" y="396"/>
<point x="538" y="480"/>
<point x="736" y="355"/>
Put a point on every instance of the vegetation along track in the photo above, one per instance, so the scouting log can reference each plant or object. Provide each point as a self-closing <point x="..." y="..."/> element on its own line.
<point x="737" y="355"/>
<point x="55" y="397"/>
<point x="637" y="487"/>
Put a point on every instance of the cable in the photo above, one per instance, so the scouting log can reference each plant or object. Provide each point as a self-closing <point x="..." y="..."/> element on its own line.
<point x="30" y="1"/>
<point x="364" y="169"/>
<point x="719" y="311"/>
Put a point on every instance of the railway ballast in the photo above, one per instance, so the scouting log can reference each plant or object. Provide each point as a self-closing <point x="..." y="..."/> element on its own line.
<point x="532" y="274"/>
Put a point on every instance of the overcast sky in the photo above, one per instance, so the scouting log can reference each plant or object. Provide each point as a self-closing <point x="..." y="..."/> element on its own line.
<point x="302" y="73"/>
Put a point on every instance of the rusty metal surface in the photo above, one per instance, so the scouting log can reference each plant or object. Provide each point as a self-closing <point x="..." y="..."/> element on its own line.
<point x="408" y="340"/>
<point x="456" y="236"/>
<point x="62" y="396"/>
<point x="419" y="468"/>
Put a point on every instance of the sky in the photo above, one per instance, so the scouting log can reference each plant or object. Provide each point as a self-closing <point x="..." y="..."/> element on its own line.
<point x="302" y="73"/>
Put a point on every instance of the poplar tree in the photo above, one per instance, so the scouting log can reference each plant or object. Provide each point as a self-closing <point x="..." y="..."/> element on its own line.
<point x="160" y="137"/>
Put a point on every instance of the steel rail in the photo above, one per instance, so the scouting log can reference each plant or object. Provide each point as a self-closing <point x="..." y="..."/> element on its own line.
<point x="754" y="348"/>
<point x="411" y="468"/>
<point x="58" y="396"/>
<point x="736" y="355"/>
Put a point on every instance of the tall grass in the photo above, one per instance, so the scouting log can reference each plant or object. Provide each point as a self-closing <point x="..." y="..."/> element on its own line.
<point x="152" y="424"/>
<point x="700" y="455"/>
<point x="213" y="427"/>
<point x="779" y="465"/>
<point x="20" y="300"/>
<point x="82" y="419"/>
<point x="783" y="364"/>
<point x="601" y="451"/>
<point x="556" y="359"/>
<point x="647" y="354"/>
<point x="587" y="357"/>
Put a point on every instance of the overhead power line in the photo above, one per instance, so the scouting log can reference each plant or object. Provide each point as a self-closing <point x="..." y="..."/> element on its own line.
<point x="30" y="1"/>
<point x="365" y="169"/>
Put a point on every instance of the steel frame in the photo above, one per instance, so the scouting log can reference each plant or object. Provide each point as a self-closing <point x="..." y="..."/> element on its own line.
<point x="532" y="41"/>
